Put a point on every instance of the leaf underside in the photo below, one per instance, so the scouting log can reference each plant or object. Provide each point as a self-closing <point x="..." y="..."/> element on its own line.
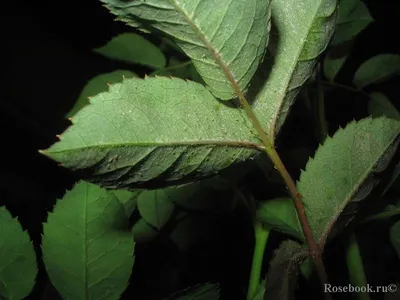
<point x="233" y="32"/>
<point x="18" y="265"/>
<point x="342" y="173"/>
<point x="281" y="278"/>
<point x="86" y="251"/>
<point x="303" y="31"/>
<point x="154" y="132"/>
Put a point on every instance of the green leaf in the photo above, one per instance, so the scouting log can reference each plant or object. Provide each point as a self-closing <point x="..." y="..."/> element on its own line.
<point x="87" y="252"/>
<point x="133" y="48"/>
<point x="175" y="68"/>
<point x="388" y="212"/>
<point x="377" y="69"/>
<point x="205" y="291"/>
<point x="352" y="19"/>
<point x="210" y="194"/>
<point x="97" y="85"/>
<point x="380" y="105"/>
<point x="154" y="132"/>
<point x="393" y="178"/>
<point x="181" y="69"/>
<point x="332" y="66"/>
<point x="280" y="214"/>
<point x="395" y="237"/>
<point x="342" y="173"/>
<point x="143" y="232"/>
<point x="304" y="29"/>
<point x="128" y="199"/>
<point x="212" y="33"/>
<point x="18" y="267"/>
<point x="188" y="230"/>
<point x="155" y="207"/>
<point x="281" y="278"/>
<point x="306" y="267"/>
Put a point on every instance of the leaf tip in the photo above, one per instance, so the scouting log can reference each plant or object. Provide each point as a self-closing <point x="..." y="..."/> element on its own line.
<point x="44" y="152"/>
<point x="91" y="100"/>
<point x="72" y="120"/>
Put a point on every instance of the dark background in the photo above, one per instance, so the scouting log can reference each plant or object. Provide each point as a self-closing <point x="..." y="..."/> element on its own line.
<point x="47" y="59"/>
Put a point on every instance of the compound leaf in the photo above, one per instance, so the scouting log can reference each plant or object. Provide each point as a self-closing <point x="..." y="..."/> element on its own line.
<point x="154" y="132"/>
<point x="155" y="207"/>
<point x="97" y="85"/>
<point x="281" y="278"/>
<point x="133" y="48"/>
<point x="377" y="69"/>
<point x="304" y="29"/>
<point x="18" y="267"/>
<point x="342" y="173"/>
<point x="87" y="252"/>
<point x="380" y="105"/>
<point x="232" y="34"/>
<point x="353" y="17"/>
<point x="280" y="214"/>
<point x="205" y="291"/>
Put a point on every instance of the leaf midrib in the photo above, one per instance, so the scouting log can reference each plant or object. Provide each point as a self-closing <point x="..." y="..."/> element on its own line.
<point x="228" y="73"/>
<point x="293" y="67"/>
<point x="332" y="223"/>
<point x="233" y="144"/>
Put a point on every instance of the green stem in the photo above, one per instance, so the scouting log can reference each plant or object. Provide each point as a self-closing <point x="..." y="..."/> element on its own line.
<point x="356" y="268"/>
<point x="270" y="150"/>
<point x="261" y="237"/>
<point x="268" y="142"/>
